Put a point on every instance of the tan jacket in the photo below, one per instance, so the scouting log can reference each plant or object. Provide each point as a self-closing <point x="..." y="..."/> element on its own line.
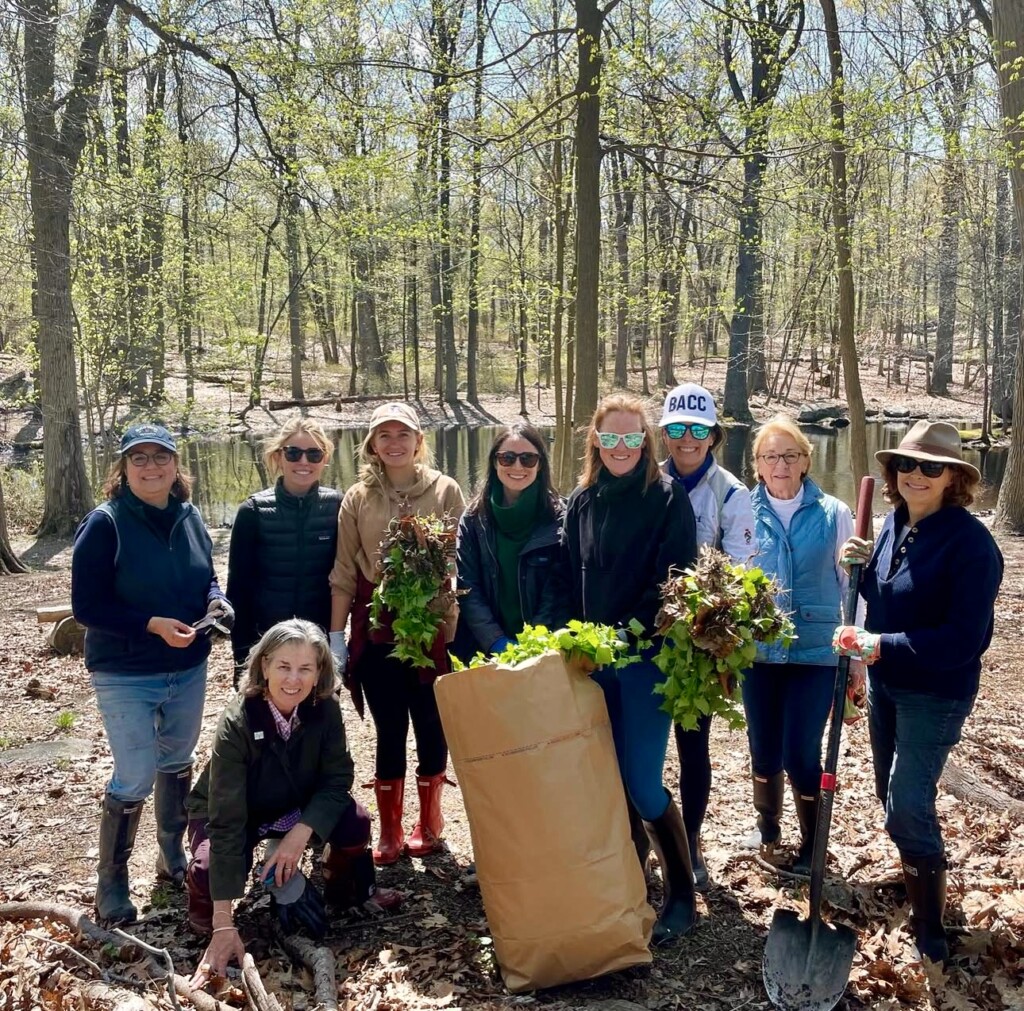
<point x="367" y="510"/>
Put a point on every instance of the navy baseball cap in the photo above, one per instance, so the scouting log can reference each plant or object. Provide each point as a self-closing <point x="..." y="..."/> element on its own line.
<point x="138" y="434"/>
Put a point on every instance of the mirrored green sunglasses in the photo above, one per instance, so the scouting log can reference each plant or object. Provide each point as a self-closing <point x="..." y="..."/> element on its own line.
<point x="678" y="429"/>
<point x="610" y="440"/>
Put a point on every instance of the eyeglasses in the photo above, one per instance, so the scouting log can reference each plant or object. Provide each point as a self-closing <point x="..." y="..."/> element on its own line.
<point x="295" y="453"/>
<point x="789" y="458"/>
<point x="907" y="465"/>
<point x="508" y="459"/>
<point x="611" y="440"/>
<point x="678" y="429"/>
<point x="161" y="458"/>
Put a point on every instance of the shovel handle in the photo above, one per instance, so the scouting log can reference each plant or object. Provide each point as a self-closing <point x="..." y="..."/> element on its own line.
<point x="828" y="775"/>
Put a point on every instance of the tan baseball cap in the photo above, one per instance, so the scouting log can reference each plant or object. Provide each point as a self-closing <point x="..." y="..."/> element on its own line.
<point x="395" y="411"/>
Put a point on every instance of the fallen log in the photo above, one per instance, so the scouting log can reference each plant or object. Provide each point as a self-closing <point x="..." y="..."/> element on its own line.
<point x="252" y="984"/>
<point x="52" y="612"/>
<point x="966" y="784"/>
<point x="284" y="405"/>
<point x="320" y="962"/>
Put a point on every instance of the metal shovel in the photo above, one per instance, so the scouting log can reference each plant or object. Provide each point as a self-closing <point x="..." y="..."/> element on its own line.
<point x="807" y="963"/>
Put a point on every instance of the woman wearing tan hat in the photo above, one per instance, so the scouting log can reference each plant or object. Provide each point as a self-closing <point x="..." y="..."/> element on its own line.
<point x="930" y="586"/>
<point x="395" y="480"/>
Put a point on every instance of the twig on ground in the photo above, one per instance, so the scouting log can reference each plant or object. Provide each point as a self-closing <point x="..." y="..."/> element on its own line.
<point x="67" y="947"/>
<point x="168" y="964"/>
<point x="70" y="917"/>
<point x="320" y="962"/>
<point x="252" y="983"/>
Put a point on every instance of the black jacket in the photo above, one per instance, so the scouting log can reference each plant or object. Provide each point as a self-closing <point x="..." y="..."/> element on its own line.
<point x="282" y="551"/>
<point x="541" y="584"/>
<point x="619" y="542"/>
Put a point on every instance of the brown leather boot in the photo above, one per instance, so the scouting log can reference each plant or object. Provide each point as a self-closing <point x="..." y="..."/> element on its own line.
<point x="350" y="879"/>
<point x="390" y="802"/>
<point x="426" y="836"/>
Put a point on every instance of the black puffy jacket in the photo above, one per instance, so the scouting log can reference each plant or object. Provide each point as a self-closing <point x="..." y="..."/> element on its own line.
<point x="282" y="551"/>
<point x="542" y="587"/>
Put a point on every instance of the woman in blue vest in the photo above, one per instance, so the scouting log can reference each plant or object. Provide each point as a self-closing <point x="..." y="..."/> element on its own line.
<point x="787" y="694"/>
<point x="721" y="508"/>
<point x="141" y="578"/>
<point x="930" y="587"/>
<point x="508" y="552"/>
<point x="283" y="541"/>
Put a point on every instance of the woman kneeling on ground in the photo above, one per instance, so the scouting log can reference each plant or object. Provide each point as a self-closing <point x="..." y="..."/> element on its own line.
<point x="280" y="770"/>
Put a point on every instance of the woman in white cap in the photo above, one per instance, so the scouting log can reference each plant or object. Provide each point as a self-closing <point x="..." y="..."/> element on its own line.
<point x="395" y="480"/>
<point x="142" y="579"/>
<point x="930" y="586"/>
<point x="725" y="520"/>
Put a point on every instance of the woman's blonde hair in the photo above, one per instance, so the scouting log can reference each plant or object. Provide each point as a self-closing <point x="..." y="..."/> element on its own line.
<point x="305" y="426"/>
<point x="285" y="633"/>
<point x="371" y="470"/>
<point x="781" y="424"/>
<point x="627" y="404"/>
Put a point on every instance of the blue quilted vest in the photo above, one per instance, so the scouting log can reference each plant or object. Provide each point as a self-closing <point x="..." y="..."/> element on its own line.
<point x="803" y="563"/>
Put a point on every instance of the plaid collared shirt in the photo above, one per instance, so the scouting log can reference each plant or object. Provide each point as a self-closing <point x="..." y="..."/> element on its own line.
<point x="284" y="728"/>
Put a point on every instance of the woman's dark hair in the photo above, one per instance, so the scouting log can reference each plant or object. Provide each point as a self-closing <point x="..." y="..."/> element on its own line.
<point x="551" y="504"/>
<point x="960" y="491"/>
<point x="117" y="479"/>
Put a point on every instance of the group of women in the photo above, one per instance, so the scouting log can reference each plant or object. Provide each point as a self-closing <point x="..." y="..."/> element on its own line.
<point x="302" y="568"/>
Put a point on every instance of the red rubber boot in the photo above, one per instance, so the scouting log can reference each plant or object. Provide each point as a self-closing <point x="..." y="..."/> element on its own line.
<point x="426" y="836"/>
<point x="390" y="802"/>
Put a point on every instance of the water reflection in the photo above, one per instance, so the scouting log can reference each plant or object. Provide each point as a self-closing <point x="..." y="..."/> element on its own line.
<point x="226" y="471"/>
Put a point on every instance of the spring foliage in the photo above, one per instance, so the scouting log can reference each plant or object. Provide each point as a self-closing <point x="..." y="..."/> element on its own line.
<point x="712" y="617"/>
<point x="416" y="553"/>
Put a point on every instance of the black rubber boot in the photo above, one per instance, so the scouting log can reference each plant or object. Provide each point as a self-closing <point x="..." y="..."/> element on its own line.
<point x="926" y="888"/>
<point x="679" y="910"/>
<point x="118" y="824"/>
<point x="807" y="816"/>
<point x="701" y="880"/>
<point x="768" y="795"/>
<point x="169" y="796"/>
<point x="641" y="843"/>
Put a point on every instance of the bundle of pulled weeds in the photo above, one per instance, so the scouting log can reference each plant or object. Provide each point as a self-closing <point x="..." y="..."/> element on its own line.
<point x="414" y="589"/>
<point x="712" y="617"/>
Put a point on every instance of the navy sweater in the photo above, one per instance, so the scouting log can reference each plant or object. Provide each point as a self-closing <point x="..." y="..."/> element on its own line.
<point x="935" y="605"/>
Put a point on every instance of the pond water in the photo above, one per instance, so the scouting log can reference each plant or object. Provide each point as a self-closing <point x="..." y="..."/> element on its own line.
<point x="226" y="471"/>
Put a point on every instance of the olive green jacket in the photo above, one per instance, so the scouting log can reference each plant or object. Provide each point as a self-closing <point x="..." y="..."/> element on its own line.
<point x="254" y="777"/>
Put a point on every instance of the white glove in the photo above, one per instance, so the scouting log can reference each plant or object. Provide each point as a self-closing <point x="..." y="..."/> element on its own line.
<point x="339" y="650"/>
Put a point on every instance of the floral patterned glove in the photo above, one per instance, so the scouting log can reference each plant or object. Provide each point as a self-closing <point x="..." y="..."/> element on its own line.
<point x="856" y="642"/>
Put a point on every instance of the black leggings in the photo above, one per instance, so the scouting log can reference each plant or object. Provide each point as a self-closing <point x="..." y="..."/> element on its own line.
<point x="694" y="772"/>
<point x="394" y="693"/>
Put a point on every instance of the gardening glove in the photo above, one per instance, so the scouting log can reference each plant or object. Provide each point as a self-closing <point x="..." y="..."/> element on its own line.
<point x="856" y="642"/>
<point x="339" y="650"/>
<point x="499" y="645"/>
<point x="220" y="617"/>
<point x="856" y="694"/>
<point x="299" y="906"/>
<point x="855" y="551"/>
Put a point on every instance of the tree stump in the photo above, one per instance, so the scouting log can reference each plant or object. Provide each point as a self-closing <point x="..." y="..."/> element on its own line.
<point x="67" y="637"/>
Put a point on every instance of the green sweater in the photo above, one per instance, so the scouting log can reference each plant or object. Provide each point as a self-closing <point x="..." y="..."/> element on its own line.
<point x="513" y="526"/>
<point x="254" y="777"/>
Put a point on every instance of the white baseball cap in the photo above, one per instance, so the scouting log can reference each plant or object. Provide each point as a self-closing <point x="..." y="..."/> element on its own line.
<point x="690" y="404"/>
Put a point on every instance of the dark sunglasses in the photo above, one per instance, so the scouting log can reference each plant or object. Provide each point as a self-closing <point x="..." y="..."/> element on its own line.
<point x="508" y="459"/>
<point x="295" y="453"/>
<point x="907" y="465"/>
<point x="678" y="429"/>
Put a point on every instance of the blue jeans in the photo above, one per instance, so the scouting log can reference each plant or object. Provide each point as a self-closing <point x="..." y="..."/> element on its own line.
<point x="640" y="728"/>
<point x="152" y="723"/>
<point x="787" y="706"/>
<point x="912" y="735"/>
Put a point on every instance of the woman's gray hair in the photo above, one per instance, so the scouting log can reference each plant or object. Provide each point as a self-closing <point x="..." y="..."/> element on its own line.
<point x="285" y="633"/>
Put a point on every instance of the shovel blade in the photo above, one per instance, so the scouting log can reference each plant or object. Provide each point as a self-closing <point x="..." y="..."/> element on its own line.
<point x="807" y="962"/>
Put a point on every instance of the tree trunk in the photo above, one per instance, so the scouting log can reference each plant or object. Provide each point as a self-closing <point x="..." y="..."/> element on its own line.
<point x="9" y="561"/>
<point x="844" y="261"/>
<point x="53" y="160"/>
<point x="623" y="197"/>
<point x="295" y="336"/>
<point x="476" y="182"/>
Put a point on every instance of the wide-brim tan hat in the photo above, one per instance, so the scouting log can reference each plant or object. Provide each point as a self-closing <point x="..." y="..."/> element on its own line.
<point x="395" y="411"/>
<point x="931" y="440"/>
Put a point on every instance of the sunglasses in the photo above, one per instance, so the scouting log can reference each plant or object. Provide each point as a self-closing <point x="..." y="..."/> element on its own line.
<point x="611" y="440"/>
<point x="295" y="453"/>
<point x="161" y="458"/>
<point x="678" y="429"/>
<point x="907" y="465"/>
<point x="508" y="459"/>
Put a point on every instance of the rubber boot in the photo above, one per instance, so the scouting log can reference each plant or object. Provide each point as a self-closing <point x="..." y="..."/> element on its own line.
<point x="807" y="817"/>
<point x="118" y="824"/>
<point x="925" y="878"/>
<point x="679" y="910"/>
<point x="426" y="835"/>
<point x="768" y="795"/>
<point x="641" y="842"/>
<point x="169" y="794"/>
<point x="350" y="879"/>
<point x="701" y="880"/>
<point x="390" y="802"/>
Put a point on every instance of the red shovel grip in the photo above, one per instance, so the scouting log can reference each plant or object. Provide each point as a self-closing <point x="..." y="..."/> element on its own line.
<point x="867" y="492"/>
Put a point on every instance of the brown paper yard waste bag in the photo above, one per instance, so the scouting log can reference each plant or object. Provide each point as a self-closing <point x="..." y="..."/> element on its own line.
<point x="562" y="888"/>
